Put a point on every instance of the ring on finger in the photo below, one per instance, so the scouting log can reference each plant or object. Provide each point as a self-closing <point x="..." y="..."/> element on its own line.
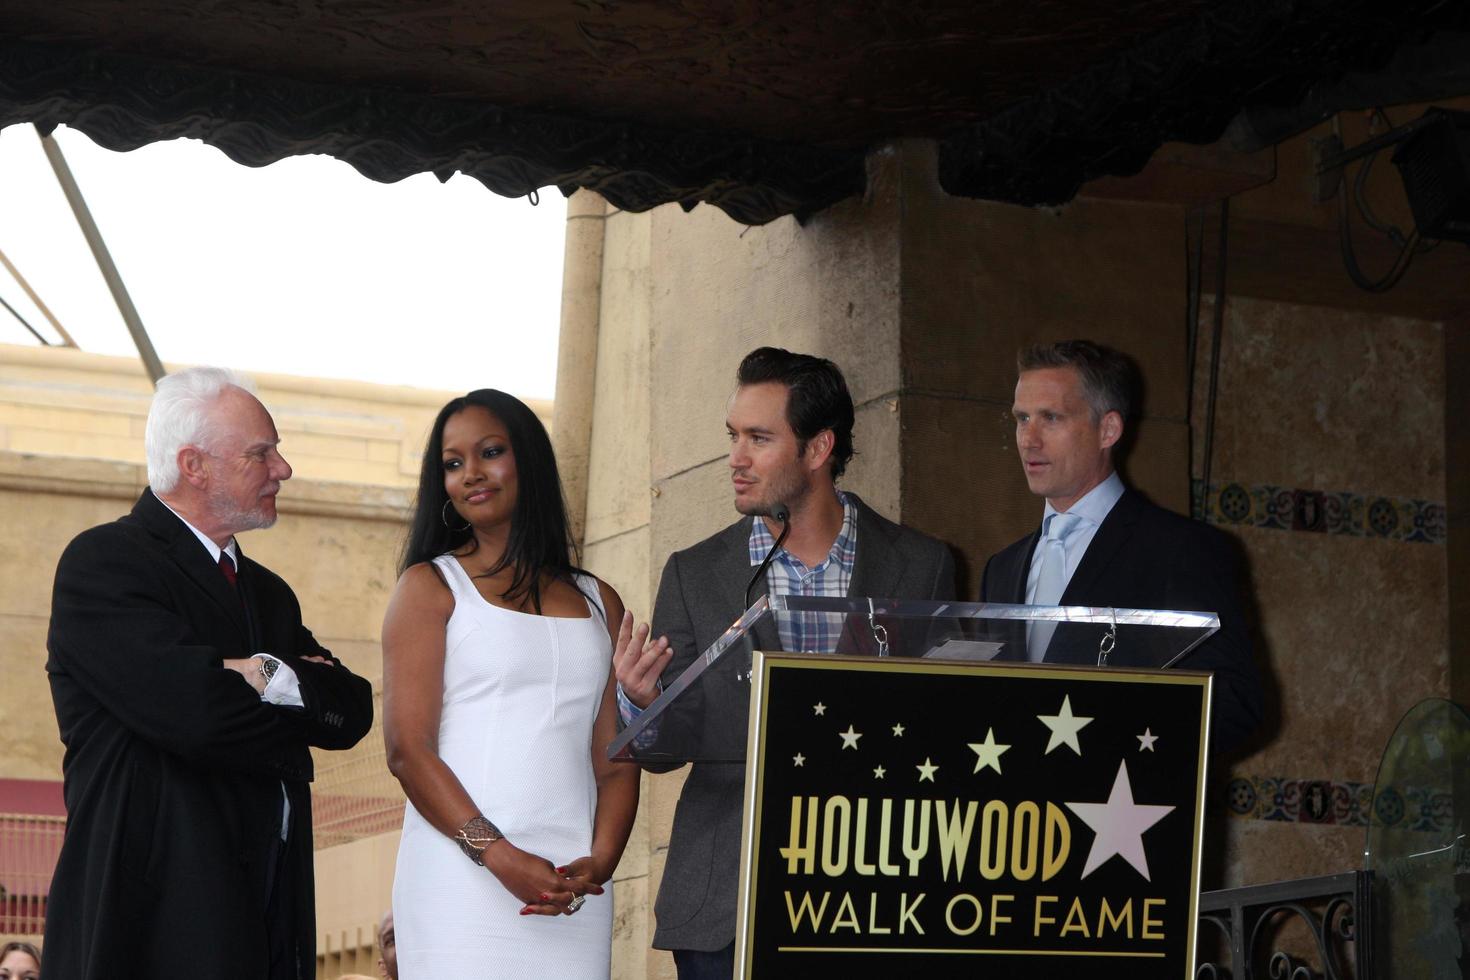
<point x="576" y="903"/>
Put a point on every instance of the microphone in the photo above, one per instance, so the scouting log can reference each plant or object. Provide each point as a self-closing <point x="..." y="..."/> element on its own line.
<point x="782" y="514"/>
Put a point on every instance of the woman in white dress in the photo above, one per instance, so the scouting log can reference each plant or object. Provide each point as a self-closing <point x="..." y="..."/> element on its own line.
<point x="498" y="705"/>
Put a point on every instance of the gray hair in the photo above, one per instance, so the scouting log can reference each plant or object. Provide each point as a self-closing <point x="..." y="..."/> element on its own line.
<point x="1109" y="377"/>
<point x="179" y="417"/>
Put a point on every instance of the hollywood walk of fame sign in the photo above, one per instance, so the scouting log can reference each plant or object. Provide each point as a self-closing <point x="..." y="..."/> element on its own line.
<point x="916" y="818"/>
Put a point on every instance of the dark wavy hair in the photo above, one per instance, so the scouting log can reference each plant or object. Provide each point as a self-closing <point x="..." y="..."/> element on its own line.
<point x="540" y="542"/>
<point x="816" y="397"/>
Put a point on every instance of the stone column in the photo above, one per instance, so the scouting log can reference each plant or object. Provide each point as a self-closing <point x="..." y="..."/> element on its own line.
<point x="576" y="359"/>
<point x="979" y="281"/>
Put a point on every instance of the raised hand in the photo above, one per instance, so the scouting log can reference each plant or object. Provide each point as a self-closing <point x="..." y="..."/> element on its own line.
<point x="638" y="663"/>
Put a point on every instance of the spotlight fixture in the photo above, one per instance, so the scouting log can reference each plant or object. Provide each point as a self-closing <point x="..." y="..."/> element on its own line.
<point x="1434" y="164"/>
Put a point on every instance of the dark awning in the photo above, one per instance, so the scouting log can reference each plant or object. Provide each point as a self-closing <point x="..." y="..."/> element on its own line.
<point x="759" y="109"/>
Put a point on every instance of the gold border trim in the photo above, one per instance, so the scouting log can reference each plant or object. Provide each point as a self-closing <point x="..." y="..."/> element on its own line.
<point x="750" y="830"/>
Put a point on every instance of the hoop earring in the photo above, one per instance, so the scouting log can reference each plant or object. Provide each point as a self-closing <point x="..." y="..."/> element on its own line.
<point x="444" y="516"/>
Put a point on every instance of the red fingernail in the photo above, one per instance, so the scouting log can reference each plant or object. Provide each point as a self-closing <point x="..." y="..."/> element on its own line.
<point x="525" y="911"/>
<point x="561" y="871"/>
<point x="545" y="897"/>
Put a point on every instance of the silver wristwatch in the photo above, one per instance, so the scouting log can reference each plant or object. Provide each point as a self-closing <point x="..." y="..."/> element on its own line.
<point x="268" y="666"/>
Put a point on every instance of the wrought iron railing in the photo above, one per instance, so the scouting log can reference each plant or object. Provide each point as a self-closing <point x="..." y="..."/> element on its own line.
<point x="29" y="845"/>
<point x="1289" y="930"/>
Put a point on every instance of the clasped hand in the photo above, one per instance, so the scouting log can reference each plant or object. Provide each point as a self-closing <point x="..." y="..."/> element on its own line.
<point x="546" y="889"/>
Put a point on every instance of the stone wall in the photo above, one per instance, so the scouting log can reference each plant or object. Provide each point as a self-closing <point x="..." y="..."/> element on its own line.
<point x="1329" y="468"/>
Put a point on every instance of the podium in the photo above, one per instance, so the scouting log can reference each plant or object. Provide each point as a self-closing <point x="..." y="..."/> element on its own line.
<point x="924" y="801"/>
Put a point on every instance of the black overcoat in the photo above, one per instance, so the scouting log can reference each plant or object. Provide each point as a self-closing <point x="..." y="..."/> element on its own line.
<point x="174" y="766"/>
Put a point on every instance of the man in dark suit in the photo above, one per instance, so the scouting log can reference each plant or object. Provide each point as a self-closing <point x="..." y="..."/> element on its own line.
<point x="187" y="693"/>
<point x="790" y="426"/>
<point x="1101" y="544"/>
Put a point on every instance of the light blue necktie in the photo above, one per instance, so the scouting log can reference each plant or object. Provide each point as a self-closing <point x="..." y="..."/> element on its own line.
<point x="1051" y="582"/>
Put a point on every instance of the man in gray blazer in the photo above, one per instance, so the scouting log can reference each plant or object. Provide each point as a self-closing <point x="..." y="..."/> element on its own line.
<point x="790" y="427"/>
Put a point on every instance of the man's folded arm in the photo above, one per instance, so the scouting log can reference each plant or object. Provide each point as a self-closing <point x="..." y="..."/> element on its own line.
<point x="114" y="636"/>
<point x="337" y="705"/>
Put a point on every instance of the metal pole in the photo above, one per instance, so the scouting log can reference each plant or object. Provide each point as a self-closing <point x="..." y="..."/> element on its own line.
<point x="25" y="323"/>
<point x="1218" y="328"/>
<point x="120" y="296"/>
<point x="45" y="310"/>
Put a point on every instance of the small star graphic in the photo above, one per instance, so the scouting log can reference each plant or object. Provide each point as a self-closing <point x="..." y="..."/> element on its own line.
<point x="849" y="738"/>
<point x="1064" y="727"/>
<point x="1147" y="740"/>
<point x="1118" y="825"/>
<point x="798" y="759"/>
<point x="898" y="730"/>
<point x="988" y="753"/>
<point x="879" y="772"/>
<point x="927" y="770"/>
<point x="819" y="708"/>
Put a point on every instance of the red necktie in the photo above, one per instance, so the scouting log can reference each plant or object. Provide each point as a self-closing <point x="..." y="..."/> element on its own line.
<point x="227" y="567"/>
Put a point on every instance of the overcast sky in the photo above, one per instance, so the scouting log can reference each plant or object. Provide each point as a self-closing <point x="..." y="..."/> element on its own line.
<point x="302" y="267"/>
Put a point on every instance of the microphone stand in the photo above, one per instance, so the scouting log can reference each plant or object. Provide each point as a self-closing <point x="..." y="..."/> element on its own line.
<point x="780" y="513"/>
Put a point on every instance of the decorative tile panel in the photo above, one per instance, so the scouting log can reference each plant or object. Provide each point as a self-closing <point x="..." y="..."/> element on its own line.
<point x="1348" y="804"/>
<point x="1320" y="511"/>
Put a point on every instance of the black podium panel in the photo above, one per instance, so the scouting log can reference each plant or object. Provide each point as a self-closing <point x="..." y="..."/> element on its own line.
<point x="914" y="818"/>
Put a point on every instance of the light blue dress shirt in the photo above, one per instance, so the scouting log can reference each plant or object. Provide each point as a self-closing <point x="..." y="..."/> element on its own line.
<point x="1091" y="510"/>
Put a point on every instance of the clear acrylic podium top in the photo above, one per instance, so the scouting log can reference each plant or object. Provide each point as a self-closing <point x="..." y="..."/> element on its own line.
<point x="702" y="715"/>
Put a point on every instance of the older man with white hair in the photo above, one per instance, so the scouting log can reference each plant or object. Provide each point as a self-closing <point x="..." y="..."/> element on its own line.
<point x="188" y="693"/>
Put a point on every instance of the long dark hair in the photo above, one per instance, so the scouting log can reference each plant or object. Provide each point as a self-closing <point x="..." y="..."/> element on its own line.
<point x="539" y="543"/>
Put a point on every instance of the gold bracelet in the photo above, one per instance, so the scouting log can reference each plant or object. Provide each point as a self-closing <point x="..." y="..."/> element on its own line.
<point x="476" y="835"/>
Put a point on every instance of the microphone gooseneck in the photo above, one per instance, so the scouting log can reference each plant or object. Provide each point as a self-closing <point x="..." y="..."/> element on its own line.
<point x="782" y="514"/>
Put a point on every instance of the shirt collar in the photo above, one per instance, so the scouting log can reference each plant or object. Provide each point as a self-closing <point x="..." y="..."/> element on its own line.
<point x="843" y="549"/>
<point x="204" y="539"/>
<point x="1094" y="506"/>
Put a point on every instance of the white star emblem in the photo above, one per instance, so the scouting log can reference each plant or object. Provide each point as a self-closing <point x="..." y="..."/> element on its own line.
<point x="898" y="731"/>
<point x="1064" y="727"/>
<point x="819" y="708"/>
<point x="927" y="770"/>
<point x="1119" y="825"/>
<point x="798" y="759"/>
<point x="1147" y="740"/>
<point x="879" y="772"/>
<point x="849" y="738"/>
<point x="988" y="753"/>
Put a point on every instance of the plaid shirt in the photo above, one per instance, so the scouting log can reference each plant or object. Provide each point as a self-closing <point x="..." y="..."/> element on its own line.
<point x="800" y="632"/>
<point x="787" y="575"/>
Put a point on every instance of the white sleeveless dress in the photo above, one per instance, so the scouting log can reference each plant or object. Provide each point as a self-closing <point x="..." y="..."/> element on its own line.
<point x="520" y="696"/>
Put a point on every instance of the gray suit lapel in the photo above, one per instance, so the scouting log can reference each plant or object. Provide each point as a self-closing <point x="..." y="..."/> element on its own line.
<point x="879" y="567"/>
